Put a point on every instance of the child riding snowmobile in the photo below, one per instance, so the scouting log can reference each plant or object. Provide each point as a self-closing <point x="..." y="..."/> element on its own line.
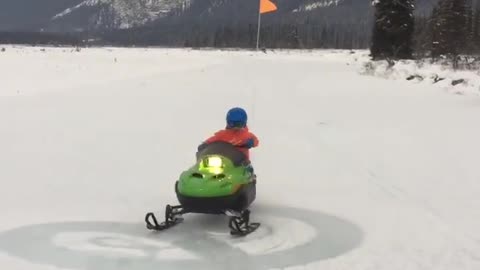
<point x="221" y="181"/>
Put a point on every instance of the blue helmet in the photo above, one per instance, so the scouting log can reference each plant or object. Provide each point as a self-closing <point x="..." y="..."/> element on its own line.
<point x="237" y="118"/>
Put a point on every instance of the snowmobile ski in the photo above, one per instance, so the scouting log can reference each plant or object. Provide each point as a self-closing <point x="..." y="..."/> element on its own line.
<point x="172" y="218"/>
<point x="240" y="223"/>
<point x="245" y="230"/>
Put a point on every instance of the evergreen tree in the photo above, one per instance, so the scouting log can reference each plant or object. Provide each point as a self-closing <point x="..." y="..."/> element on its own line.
<point x="450" y="32"/>
<point x="469" y="42"/>
<point x="435" y="25"/>
<point x="422" y="35"/>
<point x="476" y="30"/>
<point x="393" y="29"/>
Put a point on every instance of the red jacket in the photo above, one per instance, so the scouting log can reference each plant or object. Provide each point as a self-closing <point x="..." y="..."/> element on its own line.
<point x="237" y="137"/>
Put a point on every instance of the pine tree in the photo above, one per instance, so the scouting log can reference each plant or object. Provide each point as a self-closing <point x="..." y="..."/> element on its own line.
<point x="450" y="33"/>
<point x="476" y="29"/>
<point x="422" y="35"/>
<point x="393" y="29"/>
<point x="435" y="26"/>
<point x="469" y="42"/>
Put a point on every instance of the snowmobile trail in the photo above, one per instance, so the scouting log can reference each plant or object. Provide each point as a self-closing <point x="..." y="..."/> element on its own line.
<point x="316" y="236"/>
<point x="354" y="172"/>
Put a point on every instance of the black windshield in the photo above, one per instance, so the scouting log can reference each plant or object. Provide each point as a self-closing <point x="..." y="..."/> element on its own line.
<point x="223" y="149"/>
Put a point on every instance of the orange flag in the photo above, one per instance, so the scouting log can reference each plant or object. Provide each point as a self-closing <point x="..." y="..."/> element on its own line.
<point x="267" y="6"/>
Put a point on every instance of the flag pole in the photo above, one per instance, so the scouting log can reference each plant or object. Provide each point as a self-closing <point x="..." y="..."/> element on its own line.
<point x="258" y="30"/>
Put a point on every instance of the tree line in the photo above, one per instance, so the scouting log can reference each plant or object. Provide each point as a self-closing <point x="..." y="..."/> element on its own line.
<point x="452" y="29"/>
<point x="40" y="38"/>
<point x="281" y="35"/>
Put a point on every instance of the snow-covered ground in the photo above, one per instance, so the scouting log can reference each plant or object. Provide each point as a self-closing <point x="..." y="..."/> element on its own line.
<point x="424" y="72"/>
<point x="355" y="172"/>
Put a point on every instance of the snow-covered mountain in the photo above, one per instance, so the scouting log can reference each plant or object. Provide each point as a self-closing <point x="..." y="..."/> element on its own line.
<point x="318" y="4"/>
<point x="30" y="15"/>
<point x="80" y="15"/>
<point x="122" y="14"/>
<point x="115" y="14"/>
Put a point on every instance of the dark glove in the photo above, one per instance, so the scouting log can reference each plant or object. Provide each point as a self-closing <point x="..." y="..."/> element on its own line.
<point x="249" y="143"/>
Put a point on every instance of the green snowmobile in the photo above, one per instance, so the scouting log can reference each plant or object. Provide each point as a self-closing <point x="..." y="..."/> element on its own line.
<point x="221" y="182"/>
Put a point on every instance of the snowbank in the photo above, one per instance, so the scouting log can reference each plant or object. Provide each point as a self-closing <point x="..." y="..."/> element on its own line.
<point x="425" y="72"/>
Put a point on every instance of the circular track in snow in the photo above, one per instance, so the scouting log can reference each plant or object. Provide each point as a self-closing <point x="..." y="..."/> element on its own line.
<point x="287" y="237"/>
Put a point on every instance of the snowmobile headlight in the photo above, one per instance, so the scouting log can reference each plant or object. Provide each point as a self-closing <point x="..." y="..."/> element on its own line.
<point x="214" y="162"/>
